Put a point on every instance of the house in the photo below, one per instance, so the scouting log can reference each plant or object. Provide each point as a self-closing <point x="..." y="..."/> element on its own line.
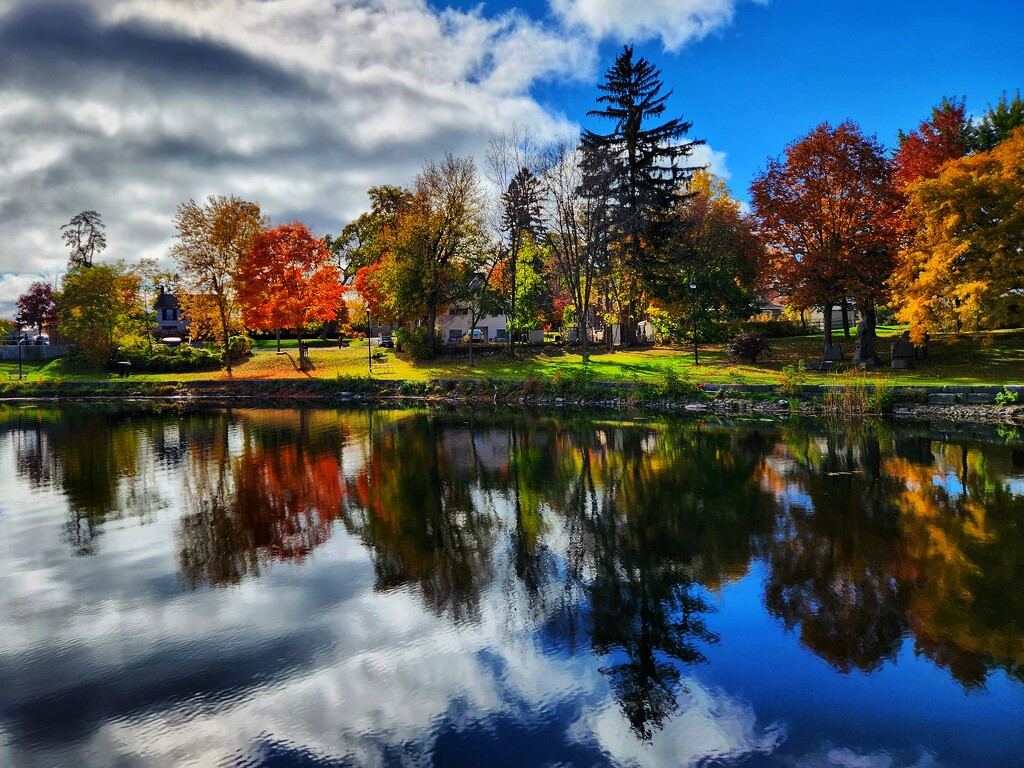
<point x="168" y="315"/>
<point x="455" y="323"/>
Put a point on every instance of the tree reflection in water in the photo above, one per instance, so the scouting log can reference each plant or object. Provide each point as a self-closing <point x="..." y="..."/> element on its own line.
<point x="273" y="496"/>
<point x="617" y="535"/>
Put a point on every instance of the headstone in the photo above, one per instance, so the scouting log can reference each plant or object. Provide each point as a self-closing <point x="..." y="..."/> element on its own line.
<point x="833" y="354"/>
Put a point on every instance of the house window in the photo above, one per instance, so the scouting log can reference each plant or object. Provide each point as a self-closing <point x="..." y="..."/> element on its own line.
<point x="454" y="334"/>
<point x="502" y="334"/>
<point x="170" y="314"/>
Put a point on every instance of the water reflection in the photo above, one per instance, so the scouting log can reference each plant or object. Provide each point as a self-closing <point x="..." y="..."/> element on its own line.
<point x="607" y="539"/>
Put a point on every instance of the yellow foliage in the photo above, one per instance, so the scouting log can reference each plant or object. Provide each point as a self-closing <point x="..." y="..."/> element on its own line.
<point x="963" y="268"/>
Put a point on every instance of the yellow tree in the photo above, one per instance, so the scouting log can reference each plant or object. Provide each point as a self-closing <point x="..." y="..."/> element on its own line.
<point x="964" y="267"/>
<point x="212" y="240"/>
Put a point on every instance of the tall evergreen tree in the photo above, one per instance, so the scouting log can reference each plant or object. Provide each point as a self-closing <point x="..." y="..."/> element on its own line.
<point x="520" y="218"/>
<point x="998" y="123"/>
<point x="648" y="167"/>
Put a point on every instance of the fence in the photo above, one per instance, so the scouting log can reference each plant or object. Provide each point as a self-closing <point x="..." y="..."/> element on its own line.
<point x="32" y="352"/>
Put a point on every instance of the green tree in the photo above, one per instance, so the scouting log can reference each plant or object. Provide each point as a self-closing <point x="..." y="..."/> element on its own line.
<point x="646" y="175"/>
<point x="998" y="123"/>
<point x="99" y="306"/>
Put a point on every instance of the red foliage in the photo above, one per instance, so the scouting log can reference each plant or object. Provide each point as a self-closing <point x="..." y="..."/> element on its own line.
<point x="37" y="306"/>
<point x="936" y="141"/>
<point x="288" y="280"/>
<point x="823" y="211"/>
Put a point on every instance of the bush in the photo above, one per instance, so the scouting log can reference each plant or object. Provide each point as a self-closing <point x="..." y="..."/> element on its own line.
<point x="1006" y="397"/>
<point x="415" y="343"/>
<point x="793" y="378"/>
<point x="239" y="347"/>
<point x="749" y="347"/>
<point x="163" y="359"/>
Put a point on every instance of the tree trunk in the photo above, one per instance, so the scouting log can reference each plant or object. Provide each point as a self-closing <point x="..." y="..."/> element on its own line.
<point x="803" y="320"/>
<point x="226" y="334"/>
<point x="846" y="318"/>
<point x="828" y="325"/>
<point x="627" y="330"/>
<point x="431" y="320"/>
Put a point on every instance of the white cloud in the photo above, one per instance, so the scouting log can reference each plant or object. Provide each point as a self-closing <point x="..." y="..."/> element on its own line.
<point x="131" y="107"/>
<point x="674" y="22"/>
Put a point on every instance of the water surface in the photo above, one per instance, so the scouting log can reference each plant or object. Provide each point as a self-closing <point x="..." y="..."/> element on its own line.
<point x="375" y="588"/>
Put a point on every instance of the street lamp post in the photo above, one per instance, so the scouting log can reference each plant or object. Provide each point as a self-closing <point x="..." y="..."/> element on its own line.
<point x="369" y="357"/>
<point x="693" y="311"/>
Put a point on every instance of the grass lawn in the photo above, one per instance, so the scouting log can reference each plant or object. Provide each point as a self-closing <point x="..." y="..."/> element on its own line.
<point x="994" y="358"/>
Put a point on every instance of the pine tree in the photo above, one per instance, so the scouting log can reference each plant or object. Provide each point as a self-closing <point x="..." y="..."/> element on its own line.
<point x="647" y="173"/>
<point x="520" y="218"/>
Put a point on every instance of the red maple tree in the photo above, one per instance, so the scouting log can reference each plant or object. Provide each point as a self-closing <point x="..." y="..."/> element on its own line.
<point x="288" y="280"/>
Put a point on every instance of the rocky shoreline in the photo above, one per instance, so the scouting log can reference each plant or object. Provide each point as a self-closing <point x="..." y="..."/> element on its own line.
<point x="961" y="404"/>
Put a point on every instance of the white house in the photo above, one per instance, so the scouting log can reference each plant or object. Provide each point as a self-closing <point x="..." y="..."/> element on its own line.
<point x="454" y="324"/>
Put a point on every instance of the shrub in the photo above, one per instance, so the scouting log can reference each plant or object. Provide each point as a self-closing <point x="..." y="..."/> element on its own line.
<point x="673" y="386"/>
<point x="1006" y="397"/>
<point x="749" y="347"/>
<point x="793" y="379"/>
<point x="239" y="347"/>
<point x="415" y="343"/>
<point x="163" y="359"/>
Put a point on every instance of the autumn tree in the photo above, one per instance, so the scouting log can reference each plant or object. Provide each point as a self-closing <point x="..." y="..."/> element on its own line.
<point x="714" y="247"/>
<point x="998" y="123"/>
<point x="212" y="241"/>
<point x="37" y="307"/>
<point x="429" y="235"/>
<point x="823" y="211"/>
<point x="85" y="238"/>
<point x="943" y="137"/>
<point x="964" y="267"/>
<point x="288" y="280"/>
<point x="645" y="161"/>
<point x="99" y="305"/>
<point x="576" y="220"/>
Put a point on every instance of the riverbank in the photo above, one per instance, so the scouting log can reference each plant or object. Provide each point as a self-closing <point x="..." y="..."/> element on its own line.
<point x="959" y="403"/>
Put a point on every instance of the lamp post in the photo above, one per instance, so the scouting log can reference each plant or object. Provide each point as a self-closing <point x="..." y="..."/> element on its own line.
<point x="693" y="311"/>
<point x="369" y="357"/>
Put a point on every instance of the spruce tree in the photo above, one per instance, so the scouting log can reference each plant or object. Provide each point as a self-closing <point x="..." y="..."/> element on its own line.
<point x="648" y="165"/>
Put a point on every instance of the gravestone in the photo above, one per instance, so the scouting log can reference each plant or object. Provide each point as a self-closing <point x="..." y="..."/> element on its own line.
<point x="833" y="354"/>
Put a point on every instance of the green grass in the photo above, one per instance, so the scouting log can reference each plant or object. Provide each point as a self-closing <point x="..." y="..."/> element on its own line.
<point x="994" y="358"/>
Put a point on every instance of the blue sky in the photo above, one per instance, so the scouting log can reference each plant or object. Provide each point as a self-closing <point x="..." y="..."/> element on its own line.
<point x="131" y="107"/>
<point x="782" y="67"/>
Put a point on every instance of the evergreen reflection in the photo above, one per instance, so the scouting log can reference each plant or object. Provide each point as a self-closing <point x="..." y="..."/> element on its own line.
<point x="611" y="537"/>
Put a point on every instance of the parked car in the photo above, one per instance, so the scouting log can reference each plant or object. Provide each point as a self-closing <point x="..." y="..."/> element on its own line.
<point x="386" y="340"/>
<point x="478" y="336"/>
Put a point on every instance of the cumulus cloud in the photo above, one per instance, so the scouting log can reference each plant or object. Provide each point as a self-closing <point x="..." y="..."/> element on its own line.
<point x="131" y="107"/>
<point x="674" y="22"/>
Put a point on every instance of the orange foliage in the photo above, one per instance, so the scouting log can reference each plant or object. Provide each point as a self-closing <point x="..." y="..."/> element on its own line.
<point x="287" y="280"/>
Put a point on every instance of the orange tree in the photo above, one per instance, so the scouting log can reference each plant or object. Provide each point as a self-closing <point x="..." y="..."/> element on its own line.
<point x="824" y="211"/>
<point x="288" y="280"/>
